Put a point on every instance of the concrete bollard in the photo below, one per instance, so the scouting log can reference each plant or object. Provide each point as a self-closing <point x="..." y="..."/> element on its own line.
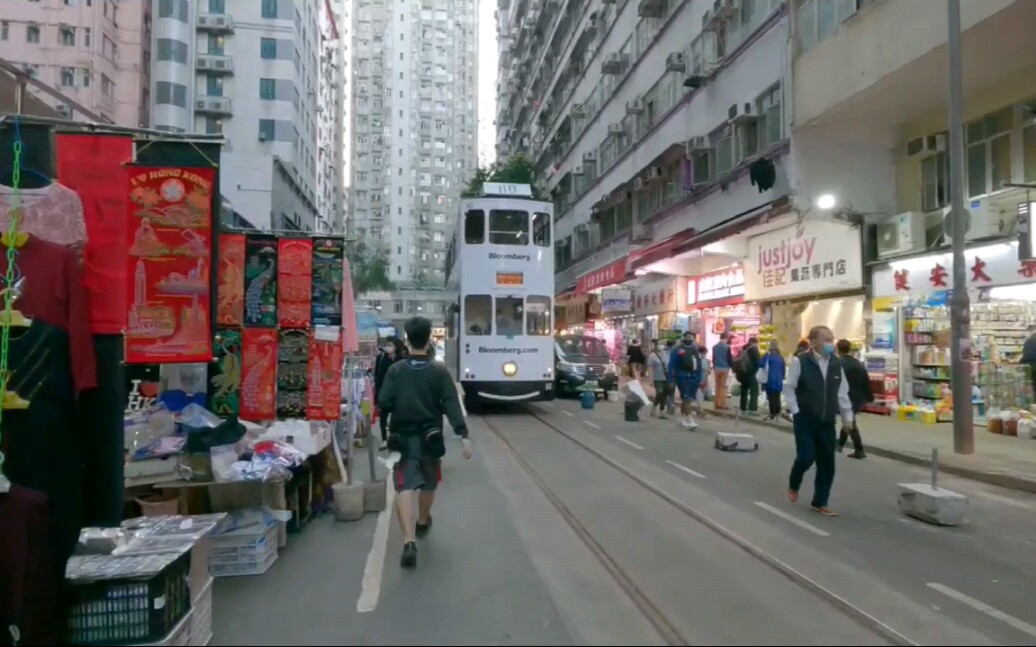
<point x="348" y="501"/>
<point x="732" y="442"/>
<point x="929" y="503"/>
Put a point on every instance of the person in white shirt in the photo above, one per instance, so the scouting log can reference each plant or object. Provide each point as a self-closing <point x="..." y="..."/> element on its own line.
<point x="816" y="392"/>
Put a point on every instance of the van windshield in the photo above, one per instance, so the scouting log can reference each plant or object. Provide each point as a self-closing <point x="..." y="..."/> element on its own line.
<point x="577" y="346"/>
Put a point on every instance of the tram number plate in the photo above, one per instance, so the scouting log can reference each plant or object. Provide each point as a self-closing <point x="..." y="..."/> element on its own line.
<point x="510" y="278"/>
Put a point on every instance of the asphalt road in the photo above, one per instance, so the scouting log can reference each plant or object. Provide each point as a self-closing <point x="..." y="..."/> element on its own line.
<point x="974" y="583"/>
<point x="676" y="521"/>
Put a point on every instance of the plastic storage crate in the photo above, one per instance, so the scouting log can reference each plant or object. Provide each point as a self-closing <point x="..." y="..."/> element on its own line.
<point x="201" y="617"/>
<point x="244" y="552"/>
<point x="130" y="611"/>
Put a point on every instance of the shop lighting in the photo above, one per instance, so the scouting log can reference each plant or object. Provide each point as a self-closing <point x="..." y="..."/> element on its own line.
<point x="826" y="201"/>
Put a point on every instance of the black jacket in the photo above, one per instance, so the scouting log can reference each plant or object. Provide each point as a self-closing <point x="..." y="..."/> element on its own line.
<point x="859" y="382"/>
<point x="381" y="367"/>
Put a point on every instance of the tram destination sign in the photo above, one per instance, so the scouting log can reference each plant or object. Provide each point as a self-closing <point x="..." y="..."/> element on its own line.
<point x="507" y="189"/>
<point x="510" y="278"/>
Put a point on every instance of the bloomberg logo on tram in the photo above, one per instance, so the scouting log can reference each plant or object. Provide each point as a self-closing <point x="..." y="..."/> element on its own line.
<point x="500" y="349"/>
<point x="496" y="256"/>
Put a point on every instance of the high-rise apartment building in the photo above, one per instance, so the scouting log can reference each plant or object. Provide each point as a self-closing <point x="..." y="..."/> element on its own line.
<point x="95" y="52"/>
<point x="330" y="115"/>
<point x="251" y="71"/>
<point x="414" y="124"/>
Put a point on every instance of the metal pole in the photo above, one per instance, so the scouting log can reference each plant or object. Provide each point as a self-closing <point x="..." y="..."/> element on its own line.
<point x="935" y="468"/>
<point x="960" y="345"/>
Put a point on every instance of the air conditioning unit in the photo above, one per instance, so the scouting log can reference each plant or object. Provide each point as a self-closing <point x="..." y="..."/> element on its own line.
<point x="64" y="110"/>
<point x="985" y="222"/>
<point x="608" y="1"/>
<point x="922" y="147"/>
<point x="577" y="110"/>
<point x="708" y="22"/>
<point x="221" y="64"/>
<point x="634" y="107"/>
<point x="675" y="62"/>
<point x="199" y="104"/>
<point x="697" y="145"/>
<point x="656" y="173"/>
<point x="612" y="64"/>
<point x="741" y="113"/>
<point x="616" y="130"/>
<point x="577" y="170"/>
<point x="589" y="156"/>
<point x="650" y="8"/>
<point x="726" y="9"/>
<point x="638" y="183"/>
<point x="642" y="234"/>
<point x="902" y="234"/>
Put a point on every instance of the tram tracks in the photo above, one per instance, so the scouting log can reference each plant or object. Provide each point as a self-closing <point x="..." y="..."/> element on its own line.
<point x="665" y="627"/>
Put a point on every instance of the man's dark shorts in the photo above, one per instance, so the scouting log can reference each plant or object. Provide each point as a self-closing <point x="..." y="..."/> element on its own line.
<point x="416" y="470"/>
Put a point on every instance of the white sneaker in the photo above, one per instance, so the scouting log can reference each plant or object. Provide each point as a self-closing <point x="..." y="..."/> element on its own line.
<point x="686" y="423"/>
<point x="692" y="424"/>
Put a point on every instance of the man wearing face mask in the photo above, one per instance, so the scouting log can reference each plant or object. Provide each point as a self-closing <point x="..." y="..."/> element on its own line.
<point x="687" y="372"/>
<point x="816" y="391"/>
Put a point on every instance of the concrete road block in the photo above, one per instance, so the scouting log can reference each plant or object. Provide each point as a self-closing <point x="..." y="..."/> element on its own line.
<point x="731" y="442"/>
<point x="937" y="506"/>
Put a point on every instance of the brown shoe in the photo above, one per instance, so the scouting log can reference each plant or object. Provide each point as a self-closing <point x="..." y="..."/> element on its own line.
<point x="824" y="510"/>
<point x="793" y="496"/>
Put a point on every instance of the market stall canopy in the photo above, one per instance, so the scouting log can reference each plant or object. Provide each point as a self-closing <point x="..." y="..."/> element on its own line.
<point x="350" y="331"/>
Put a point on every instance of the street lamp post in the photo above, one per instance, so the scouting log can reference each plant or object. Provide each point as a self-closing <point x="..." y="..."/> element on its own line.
<point x="960" y="307"/>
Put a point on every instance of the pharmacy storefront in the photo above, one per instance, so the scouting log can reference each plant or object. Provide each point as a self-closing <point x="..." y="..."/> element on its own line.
<point x="805" y="275"/>
<point x="716" y="301"/>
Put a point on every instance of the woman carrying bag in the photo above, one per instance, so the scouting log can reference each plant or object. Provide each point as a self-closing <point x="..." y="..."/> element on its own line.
<point x="771" y="377"/>
<point x="658" y="368"/>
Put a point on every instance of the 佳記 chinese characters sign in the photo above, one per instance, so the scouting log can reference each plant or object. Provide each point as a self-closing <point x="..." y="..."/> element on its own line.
<point x="602" y="277"/>
<point x="811" y="258"/>
<point x="725" y="285"/>
<point x="657" y="297"/>
<point x="987" y="266"/>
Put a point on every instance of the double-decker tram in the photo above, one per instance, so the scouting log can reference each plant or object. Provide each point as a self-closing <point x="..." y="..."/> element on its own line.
<point x="500" y="266"/>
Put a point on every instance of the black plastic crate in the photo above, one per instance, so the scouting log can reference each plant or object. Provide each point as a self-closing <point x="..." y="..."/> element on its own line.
<point x="118" y="612"/>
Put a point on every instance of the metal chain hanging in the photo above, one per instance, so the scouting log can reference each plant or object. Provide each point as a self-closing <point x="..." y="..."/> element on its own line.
<point x="9" y="277"/>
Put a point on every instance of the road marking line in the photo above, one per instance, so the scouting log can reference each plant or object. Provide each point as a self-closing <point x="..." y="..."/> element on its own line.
<point x="978" y="605"/>
<point x="592" y="424"/>
<point x="370" y="590"/>
<point x="628" y="442"/>
<point x="798" y="522"/>
<point x="547" y="404"/>
<point x="990" y="496"/>
<point x="684" y="468"/>
<point x="566" y="412"/>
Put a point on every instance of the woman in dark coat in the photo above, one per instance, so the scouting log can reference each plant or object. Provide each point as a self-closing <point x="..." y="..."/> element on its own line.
<point x="393" y="351"/>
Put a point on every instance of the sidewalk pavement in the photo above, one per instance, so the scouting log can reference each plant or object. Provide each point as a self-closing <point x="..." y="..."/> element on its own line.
<point x="1004" y="461"/>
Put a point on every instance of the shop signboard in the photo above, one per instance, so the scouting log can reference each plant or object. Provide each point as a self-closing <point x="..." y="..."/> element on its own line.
<point x="657" y="297"/>
<point x="987" y="266"/>
<point x="813" y="257"/>
<point x="726" y="286"/>
<point x="602" y="277"/>
<point x="616" y="301"/>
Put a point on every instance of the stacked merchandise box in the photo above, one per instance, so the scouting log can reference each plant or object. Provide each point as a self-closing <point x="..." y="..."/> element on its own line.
<point x="249" y="550"/>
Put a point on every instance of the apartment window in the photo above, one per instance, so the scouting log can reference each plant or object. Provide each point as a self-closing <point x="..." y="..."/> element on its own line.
<point x="214" y="85"/>
<point x="109" y="49"/>
<point x="70" y="3"/>
<point x="268" y="48"/>
<point x="5" y="30"/>
<point x="935" y="182"/>
<point x="989" y="152"/>
<point x="267" y="89"/>
<point x="269" y="8"/>
<point x="215" y="44"/>
<point x="266" y="129"/>
<point x="67" y="36"/>
<point x="818" y="19"/>
<point x="770" y="127"/>
<point x="175" y="9"/>
<point x="167" y="93"/>
<point x="108" y="89"/>
<point x="86" y="37"/>
<point x="32" y="34"/>
<point x="723" y="144"/>
<point x="213" y="125"/>
<point x="86" y="75"/>
<point x="68" y="77"/>
<point x="217" y="6"/>
<point x="1029" y="148"/>
<point x="172" y="50"/>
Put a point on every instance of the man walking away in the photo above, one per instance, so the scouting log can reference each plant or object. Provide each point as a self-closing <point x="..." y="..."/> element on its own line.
<point x="722" y="360"/>
<point x="418" y="392"/>
<point x="685" y="369"/>
<point x="859" y="394"/>
<point x="745" y="368"/>
<point x="659" y="375"/>
<point x="773" y="365"/>
<point x="816" y="391"/>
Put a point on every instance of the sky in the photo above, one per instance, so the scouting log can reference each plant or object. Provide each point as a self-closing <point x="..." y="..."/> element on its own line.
<point x="487" y="62"/>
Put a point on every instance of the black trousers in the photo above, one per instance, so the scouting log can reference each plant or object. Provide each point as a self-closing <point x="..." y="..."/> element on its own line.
<point x="101" y="412"/>
<point x="750" y="394"/>
<point x="854" y="433"/>
<point x="774" y="400"/>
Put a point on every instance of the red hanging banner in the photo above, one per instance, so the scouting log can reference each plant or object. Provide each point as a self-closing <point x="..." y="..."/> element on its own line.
<point x="230" y="290"/>
<point x="258" y="374"/>
<point x="323" y="400"/>
<point x="168" y="275"/>
<point x="294" y="282"/>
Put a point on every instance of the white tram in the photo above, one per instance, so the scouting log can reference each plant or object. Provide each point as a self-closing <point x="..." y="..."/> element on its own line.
<point x="500" y="266"/>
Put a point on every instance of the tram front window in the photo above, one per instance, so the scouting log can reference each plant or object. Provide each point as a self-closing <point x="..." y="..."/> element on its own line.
<point x="541" y="229"/>
<point x="478" y="313"/>
<point x="537" y="316"/>
<point x="509" y="316"/>
<point x="508" y="227"/>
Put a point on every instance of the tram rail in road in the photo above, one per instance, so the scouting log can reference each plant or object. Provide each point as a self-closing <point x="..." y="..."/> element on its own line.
<point x="665" y="627"/>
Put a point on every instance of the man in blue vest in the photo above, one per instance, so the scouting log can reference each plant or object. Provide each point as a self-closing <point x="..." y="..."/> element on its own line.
<point x="817" y="392"/>
<point x="687" y="371"/>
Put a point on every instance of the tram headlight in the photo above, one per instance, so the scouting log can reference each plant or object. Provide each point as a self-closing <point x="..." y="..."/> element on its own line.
<point x="510" y="369"/>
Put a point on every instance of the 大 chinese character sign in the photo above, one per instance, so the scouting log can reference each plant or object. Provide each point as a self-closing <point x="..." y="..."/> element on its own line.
<point x="813" y="257"/>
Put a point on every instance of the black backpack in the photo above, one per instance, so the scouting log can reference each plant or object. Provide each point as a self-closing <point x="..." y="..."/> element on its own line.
<point x="688" y="361"/>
